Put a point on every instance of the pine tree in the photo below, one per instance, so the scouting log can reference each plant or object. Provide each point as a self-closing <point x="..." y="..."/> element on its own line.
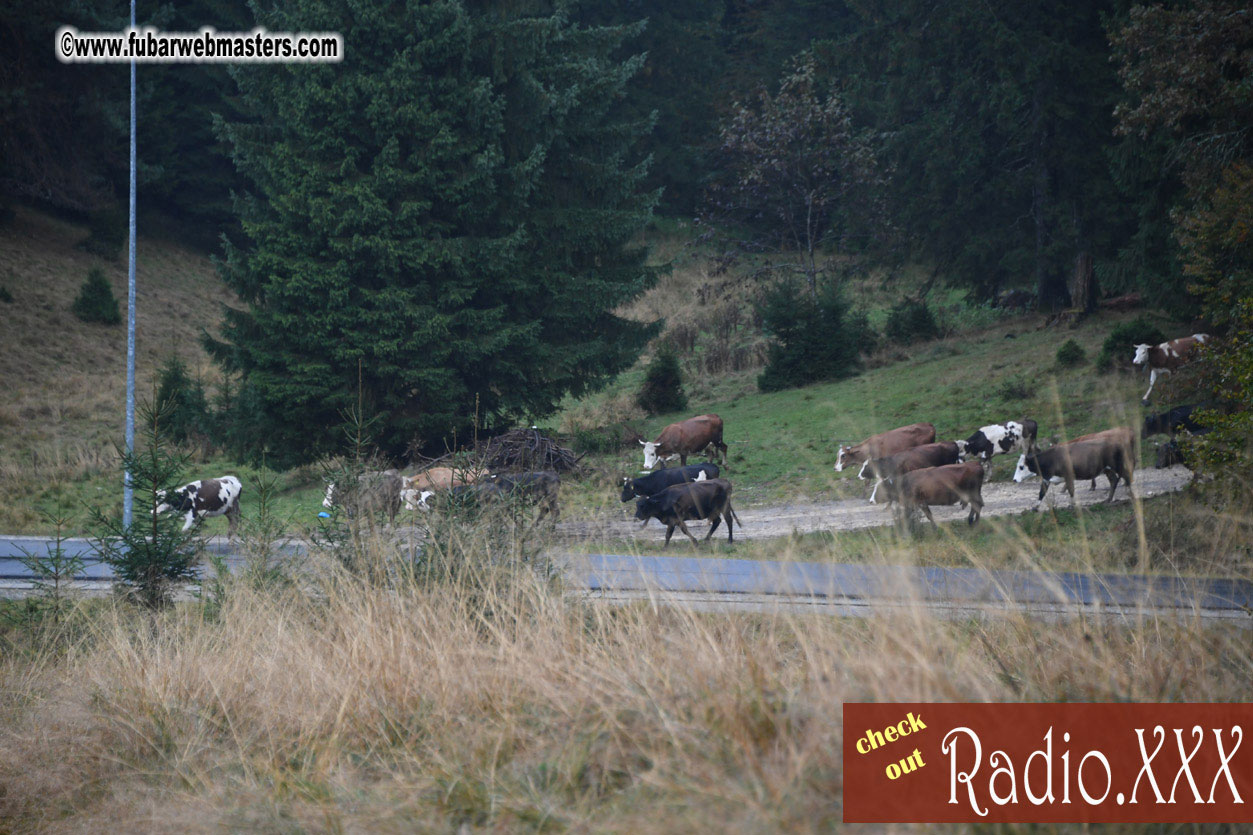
<point x="452" y="208"/>
<point x="96" y="302"/>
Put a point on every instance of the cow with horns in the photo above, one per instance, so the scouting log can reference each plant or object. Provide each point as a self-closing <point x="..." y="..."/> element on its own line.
<point x="687" y="437"/>
<point x="884" y="444"/>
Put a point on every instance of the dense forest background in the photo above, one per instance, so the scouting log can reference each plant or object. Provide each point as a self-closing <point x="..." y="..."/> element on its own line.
<point x="483" y="169"/>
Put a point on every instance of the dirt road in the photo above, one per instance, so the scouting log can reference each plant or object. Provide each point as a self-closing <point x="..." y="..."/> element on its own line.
<point x="1001" y="498"/>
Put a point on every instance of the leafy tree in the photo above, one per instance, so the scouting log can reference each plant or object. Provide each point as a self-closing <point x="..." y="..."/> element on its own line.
<point x="154" y="554"/>
<point x="796" y="176"/>
<point x="815" y="340"/>
<point x="96" y="302"/>
<point x="451" y="209"/>
<point x="663" y="384"/>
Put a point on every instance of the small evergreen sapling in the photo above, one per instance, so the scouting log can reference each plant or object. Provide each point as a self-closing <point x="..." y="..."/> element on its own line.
<point x="662" y="391"/>
<point x="95" y="302"/>
<point x="154" y="555"/>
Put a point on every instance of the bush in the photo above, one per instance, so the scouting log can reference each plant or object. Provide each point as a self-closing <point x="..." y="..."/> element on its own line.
<point x="95" y="302"/>
<point x="1117" y="350"/>
<point x="5" y="295"/>
<point x="816" y="340"/>
<point x="911" y="321"/>
<point x="1070" y="354"/>
<point x="188" y="408"/>
<point x="1014" y="388"/>
<point x="663" y="384"/>
<point x="108" y="230"/>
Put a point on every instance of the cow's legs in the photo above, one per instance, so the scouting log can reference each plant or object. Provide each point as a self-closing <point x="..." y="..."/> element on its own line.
<point x="683" y="527"/>
<point x="717" y="520"/>
<point x="1113" y="485"/>
<point x="976" y="509"/>
<point x="191" y="520"/>
<point x="1044" y="488"/>
<point x="232" y="520"/>
<point x="1152" y="382"/>
<point x="875" y="491"/>
<point x="926" y="510"/>
<point x="669" y="533"/>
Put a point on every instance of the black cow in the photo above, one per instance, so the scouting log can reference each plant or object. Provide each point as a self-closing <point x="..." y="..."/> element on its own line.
<point x="653" y="483"/>
<point x="1170" y="422"/>
<point x="1169" y="454"/>
<point x="541" y="487"/>
<point x="680" y="503"/>
<point x="204" y="498"/>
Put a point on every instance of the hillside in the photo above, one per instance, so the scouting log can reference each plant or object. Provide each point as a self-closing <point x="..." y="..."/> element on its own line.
<point x="65" y="380"/>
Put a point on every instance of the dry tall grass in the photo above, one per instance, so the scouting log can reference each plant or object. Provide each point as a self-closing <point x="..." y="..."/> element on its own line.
<point x="497" y="702"/>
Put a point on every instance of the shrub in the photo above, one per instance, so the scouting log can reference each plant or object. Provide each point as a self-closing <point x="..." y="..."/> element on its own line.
<point x="1070" y="354"/>
<point x="5" y="295"/>
<point x="815" y="339"/>
<point x="1014" y="388"/>
<point x="663" y="384"/>
<point x="1117" y="350"/>
<point x="185" y="400"/>
<point x="95" y="302"/>
<point x="911" y="321"/>
<point x="107" y="232"/>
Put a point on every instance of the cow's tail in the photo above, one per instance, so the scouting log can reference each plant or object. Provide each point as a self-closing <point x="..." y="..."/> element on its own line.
<point x="734" y="515"/>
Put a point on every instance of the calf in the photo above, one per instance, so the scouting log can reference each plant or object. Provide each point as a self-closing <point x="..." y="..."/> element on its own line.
<point x="999" y="438"/>
<point x="462" y="494"/>
<point x="1166" y="357"/>
<point x="372" y="492"/>
<point x="1170" y="422"/>
<point x="1169" y="454"/>
<point x="652" y="483"/>
<point x="951" y="484"/>
<point x="203" y="499"/>
<point x="709" y="500"/>
<point x="1082" y="460"/>
<point x="688" y="437"/>
<point x="920" y="457"/>
<point x="540" y="487"/>
<point x="884" y="444"/>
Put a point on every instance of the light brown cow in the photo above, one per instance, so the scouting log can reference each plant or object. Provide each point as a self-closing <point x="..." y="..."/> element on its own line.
<point x="688" y="437"/>
<point x="1166" y="357"/>
<point x="885" y="444"/>
<point x="442" y="478"/>
<point x="950" y="484"/>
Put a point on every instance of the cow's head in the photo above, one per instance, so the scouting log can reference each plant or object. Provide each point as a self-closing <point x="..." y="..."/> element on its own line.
<point x="1023" y="471"/>
<point x="963" y="449"/>
<point x="650" y="454"/>
<point x="416" y="499"/>
<point x="1142" y="355"/>
<point x="646" y="506"/>
<point x="627" y="490"/>
<point x="842" y="458"/>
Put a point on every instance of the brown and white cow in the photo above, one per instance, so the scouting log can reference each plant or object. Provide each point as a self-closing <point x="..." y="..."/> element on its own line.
<point x="917" y="458"/>
<point x="1166" y="357"/>
<point x="687" y="437"/>
<point x="1082" y="460"/>
<point x="884" y="444"/>
<point x="951" y="484"/>
<point x="203" y="499"/>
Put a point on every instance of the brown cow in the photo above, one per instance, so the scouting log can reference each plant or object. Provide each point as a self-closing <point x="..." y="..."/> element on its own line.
<point x="688" y="437"/>
<point x="951" y="484"/>
<point x="884" y="444"/>
<point x="920" y="457"/>
<point x="1065" y="463"/>
<point x="1166" y="357"/>
<point x="1125" y="436"/>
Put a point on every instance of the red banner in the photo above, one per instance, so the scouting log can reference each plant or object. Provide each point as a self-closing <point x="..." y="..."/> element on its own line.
<point x="1056" y="763"/>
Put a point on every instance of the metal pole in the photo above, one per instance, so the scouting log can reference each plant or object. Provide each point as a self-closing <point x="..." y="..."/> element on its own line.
<point x="128" y="492"/>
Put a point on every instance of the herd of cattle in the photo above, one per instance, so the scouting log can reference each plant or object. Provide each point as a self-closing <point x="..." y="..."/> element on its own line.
<point x="913" y="470"/>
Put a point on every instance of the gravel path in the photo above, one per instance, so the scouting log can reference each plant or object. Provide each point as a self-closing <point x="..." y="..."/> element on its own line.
<point x="1001" y="498"/>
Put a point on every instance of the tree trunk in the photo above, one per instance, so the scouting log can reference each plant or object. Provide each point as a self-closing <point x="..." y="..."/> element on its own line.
<point x="1087" y="295"/>
<point x="1051" y="289"/>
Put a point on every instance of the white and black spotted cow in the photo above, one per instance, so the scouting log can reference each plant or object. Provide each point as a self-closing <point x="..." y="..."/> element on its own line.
<point x="204" y="498"/>
<point x="999" y="438"/>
